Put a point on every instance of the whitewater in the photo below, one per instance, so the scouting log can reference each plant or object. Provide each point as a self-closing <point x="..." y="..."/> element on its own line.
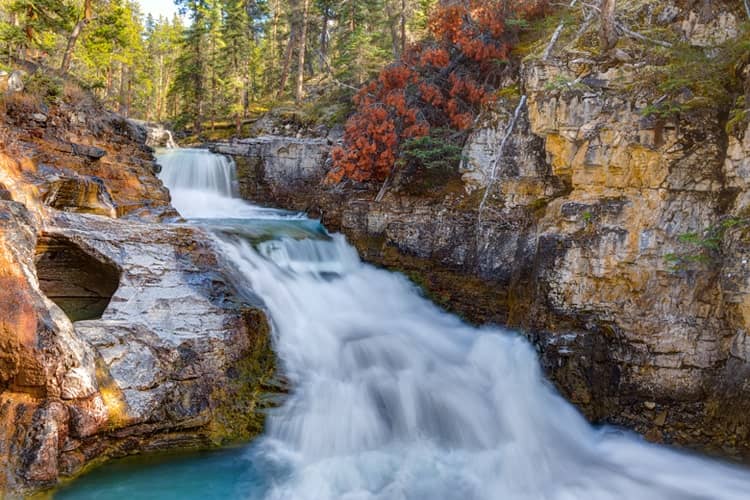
<point x="393" y="398"/>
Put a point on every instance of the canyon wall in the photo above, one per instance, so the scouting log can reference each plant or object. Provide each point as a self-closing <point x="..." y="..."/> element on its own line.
<point x="617" y="240"/>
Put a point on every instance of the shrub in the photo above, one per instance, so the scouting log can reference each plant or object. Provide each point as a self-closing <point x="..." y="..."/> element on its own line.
<point x="433" y="152"/>
<point x="46" y="87"/>
<point x="441" y="82"/>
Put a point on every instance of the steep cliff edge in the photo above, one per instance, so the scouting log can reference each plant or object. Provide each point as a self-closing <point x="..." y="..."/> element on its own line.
<point x="614" y="231"/>
<point x="119" y="334"/>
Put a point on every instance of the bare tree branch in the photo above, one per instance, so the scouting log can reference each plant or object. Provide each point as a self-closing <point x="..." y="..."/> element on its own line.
<point x="556" y="35"/>
<point x="632" y="34"/>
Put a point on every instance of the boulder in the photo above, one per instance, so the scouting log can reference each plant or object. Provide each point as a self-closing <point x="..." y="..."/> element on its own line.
<point x="15" y="81"/>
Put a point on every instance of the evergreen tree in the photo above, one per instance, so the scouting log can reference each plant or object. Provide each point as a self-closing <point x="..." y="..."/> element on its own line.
<point x="229" y="53"/>
<point x="191" y="64"/>
<point x="36" y="24"/>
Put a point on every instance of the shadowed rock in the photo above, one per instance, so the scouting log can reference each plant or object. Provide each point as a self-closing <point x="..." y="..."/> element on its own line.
<point x="79" y="283"/>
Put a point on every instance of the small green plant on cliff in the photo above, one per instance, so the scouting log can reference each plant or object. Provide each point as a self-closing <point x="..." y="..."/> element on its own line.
<point x="45" y="86"/>
<point x="664" y="110"/>
<point x="563" y="84"/>
<point x="738" y="116"/>
<point x="432" y="152"/>
<point x="510" y="93"/>
<point x="704" y="248"/>
<point x="430" y="162"/>
<point x="691" y="78"/>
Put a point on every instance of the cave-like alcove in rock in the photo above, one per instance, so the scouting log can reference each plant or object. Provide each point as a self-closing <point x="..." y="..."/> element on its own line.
<point x="80" y="283"/>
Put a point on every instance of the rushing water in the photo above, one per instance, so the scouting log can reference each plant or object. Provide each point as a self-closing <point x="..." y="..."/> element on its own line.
<point x="393" y="398"/>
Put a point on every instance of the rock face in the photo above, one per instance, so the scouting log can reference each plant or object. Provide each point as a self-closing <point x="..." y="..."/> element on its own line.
<point x="83" y="159"/>
<point x="80" y="194"/>
<point x="119" y="334"/>
<point x="157" y="135"/>
<point x="276" y="167"/>
<point x="15" y="81"/>
<point x="618" y="241"/>
<point x="80" y="284"/>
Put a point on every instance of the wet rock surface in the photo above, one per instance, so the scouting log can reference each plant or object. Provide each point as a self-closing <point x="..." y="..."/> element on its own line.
<point x="119" y="334"/>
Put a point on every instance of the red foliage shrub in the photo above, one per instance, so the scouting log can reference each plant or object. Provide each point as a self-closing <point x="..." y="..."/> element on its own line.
<point x="443" y="81"/>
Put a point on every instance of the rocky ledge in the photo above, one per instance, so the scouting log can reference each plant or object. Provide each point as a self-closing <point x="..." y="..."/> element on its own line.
<point x="119" y="334"/>
<point x="276" y="167"/>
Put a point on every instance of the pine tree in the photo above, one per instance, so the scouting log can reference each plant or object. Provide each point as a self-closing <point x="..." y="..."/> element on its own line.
<point x="36" y="24"/>
<point x="84" y="20"/>
<point x="191" y="64"/>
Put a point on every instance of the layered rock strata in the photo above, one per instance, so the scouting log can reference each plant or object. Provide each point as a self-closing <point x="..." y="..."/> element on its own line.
<point x="119" y="334"/>
<point x="616" y="239"/>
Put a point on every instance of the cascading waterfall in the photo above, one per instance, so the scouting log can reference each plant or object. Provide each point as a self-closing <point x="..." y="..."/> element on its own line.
<point x="198" y="180"/>
<point x="395" y="399"/>
<point x="204" y="185"/>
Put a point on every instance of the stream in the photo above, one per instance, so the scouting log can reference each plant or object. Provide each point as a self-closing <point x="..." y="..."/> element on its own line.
<point x="392" y="398"/>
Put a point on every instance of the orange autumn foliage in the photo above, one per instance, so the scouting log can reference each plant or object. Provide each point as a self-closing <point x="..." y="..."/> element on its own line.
<point x="441" y="82"/>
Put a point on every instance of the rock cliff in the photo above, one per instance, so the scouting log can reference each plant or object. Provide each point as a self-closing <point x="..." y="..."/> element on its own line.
<point x="615" y="237"/>
<point x="119" y="333"/>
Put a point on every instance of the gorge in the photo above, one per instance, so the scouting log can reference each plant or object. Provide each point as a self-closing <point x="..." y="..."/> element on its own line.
<point x="407" y="249"/>
<point x="392" y="397"/>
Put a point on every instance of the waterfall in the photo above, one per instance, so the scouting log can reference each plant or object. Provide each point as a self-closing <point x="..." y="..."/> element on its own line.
<point x="198" y="170"/>
<point x="393" y="398"/>
<point x="204" y="185"/>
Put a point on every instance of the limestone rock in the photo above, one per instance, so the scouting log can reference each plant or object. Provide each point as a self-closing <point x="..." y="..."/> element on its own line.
<point x="15" y="81"/>
<point x="157" y="136"/>
<point x="276" y="166"/>
<point x="717" y="29"/>
<point x="82" y="195"/>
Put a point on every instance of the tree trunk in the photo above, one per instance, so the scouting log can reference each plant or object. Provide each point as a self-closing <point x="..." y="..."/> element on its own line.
<point x="274" y="36"/>
<point x="393" y="23"/>
<point x="324" y="39"/>
<point x="12" y="22"/>
<point x="129" y="95"/>
<point x="123" y="101"/>
<point x="607" y="30"/>
<point x="287" y="59"/>
<point x="110" y="82"/>
<point x="85" y="19"/>
<point x="299" y="92"/>
<point x="159" y="89"/>
<point x="198" y="89"/>
<point x="213" y="83"/>
<point x="403" y="27"/>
